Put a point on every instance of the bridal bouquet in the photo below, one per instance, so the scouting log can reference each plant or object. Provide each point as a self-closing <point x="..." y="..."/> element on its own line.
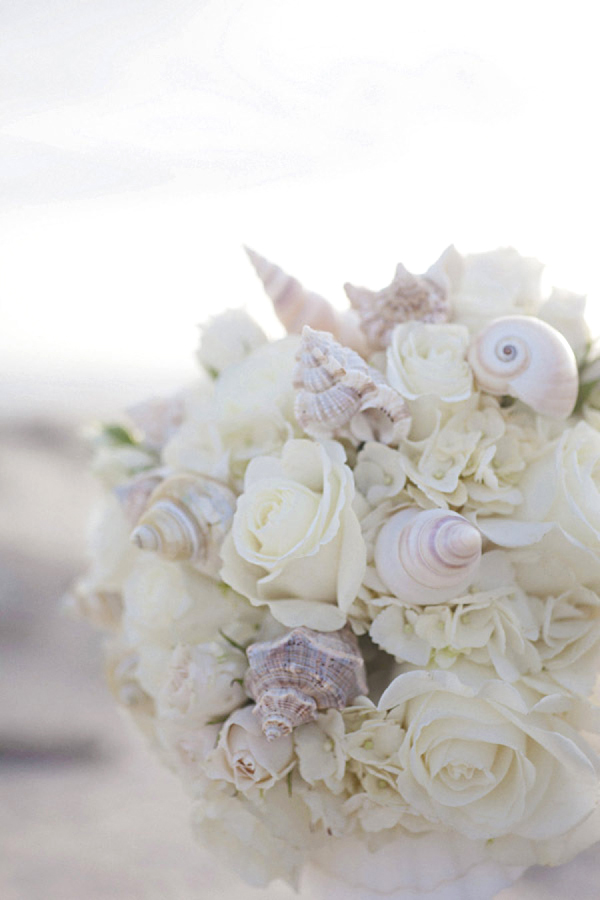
<point x="352" y="578"/>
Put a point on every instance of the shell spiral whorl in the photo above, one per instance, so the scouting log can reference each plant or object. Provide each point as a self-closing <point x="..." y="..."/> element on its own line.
<point x="526" y="358"/>
<point x="293" y="677"/>
<point x="187" y="518"/>
<point x="425" y="557"/>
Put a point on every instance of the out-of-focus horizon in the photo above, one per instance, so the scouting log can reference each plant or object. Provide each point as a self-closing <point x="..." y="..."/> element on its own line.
<point x="143" y="146"/>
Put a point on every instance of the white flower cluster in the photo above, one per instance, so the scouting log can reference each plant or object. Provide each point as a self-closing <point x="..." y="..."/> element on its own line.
<point x="478" y="623"/>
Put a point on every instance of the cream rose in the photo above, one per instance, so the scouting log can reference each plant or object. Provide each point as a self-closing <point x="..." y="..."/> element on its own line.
<point x="560" y="489"/>
<point x="565" y="311"/>
<point x="481" y="762"/>
<point x="498" y="283"/>
<point x="295" y="543"/>
<point x="227" y="339"/>
<point x="430" y="361"/>
<point x="244" y="757"/>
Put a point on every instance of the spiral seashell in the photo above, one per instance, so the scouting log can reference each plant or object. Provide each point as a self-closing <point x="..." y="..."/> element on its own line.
<point x="526" y="358"/>
<point x="339" y="393"/>
<point x="187" y="518"/>
<point x="296" y="306"/>
<point x="423" y="297"/>
<point x="133" y="495"/>
<point x="425" y="557"/>
<point x="304" y="671"/>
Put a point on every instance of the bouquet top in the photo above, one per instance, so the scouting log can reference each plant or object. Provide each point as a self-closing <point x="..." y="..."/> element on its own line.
<point x="353" y="575"/>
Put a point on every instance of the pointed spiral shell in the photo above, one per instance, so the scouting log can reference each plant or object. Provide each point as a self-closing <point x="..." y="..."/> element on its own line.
<point x="425" y="557"/>
<point x="423" y="297"/>
<point x="187" y="518"/>
<point x="526" y="358"/>
<point x="339" y="393"/>
<point x="296" y="306"/>
<point x="304" y="671"/>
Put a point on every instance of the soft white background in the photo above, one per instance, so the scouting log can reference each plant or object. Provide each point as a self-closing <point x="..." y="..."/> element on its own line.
<point x="141" y="144"/>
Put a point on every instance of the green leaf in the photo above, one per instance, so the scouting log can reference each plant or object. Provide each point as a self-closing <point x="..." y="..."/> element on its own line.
<point x="119" y="435"/>
<point x="289" y="783"/>
<point x="231" y="642"/>
<point x="218" y="720"/>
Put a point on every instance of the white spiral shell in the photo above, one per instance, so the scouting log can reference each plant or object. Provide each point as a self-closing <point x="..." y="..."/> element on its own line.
<point x="187" y="518"/>
<point x="524" y="357"/>
<point x="296" y="306"/>
<point x="338" y="393"/>
<point x="294" y="676"/>
<point x="425" y="557"/>
<point x="408" y="297"/>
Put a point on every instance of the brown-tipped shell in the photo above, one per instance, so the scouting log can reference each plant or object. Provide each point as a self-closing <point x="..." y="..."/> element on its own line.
<point x="187" y="518"/>
<point x="339" y="394"/>
<point x="421" y="297"/>
<point x="304" y="671"/>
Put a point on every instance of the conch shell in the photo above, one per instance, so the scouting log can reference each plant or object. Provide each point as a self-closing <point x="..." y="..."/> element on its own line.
<point x="296" y="306"/>
<point x="304" y="671"/>
<point x="425" y="557"/>
<point x="423" y="297"/>
<point x="526" y="358"/>
<point x="187" y="518"/>
<point x="133" y="495"/>
<point x="339" y="393"/>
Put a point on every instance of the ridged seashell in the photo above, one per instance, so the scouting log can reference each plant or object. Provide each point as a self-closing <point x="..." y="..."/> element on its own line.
<point x="133" y="495"/>
<point x="408" y="297"/>
<point x="339" y="392"/>
<point x="429" y="556"/>
<point x="187" y="518"/>
<point x="526" y="358"/>
<point x="158" y="419"/>
<point x="304" y="671"/>
<point x="296" y="306"/>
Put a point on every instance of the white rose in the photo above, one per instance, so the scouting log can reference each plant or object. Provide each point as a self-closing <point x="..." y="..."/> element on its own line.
<point x="565" y="311"/>
<point x="498" y="283"/>
<point x="249" y="414"/>
<point x="244" y="757"/>
<point x="227" y="339"/>
<point x="481" y="762"/>
<point x="430" y="360"/>
<point x="560" y="489"/>
<point x="295" y="542"/>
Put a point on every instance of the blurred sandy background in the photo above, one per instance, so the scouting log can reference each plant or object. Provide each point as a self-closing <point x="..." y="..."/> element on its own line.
<point x="140" y="145"/>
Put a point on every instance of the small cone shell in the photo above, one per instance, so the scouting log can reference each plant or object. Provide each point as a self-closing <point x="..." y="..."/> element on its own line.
<point x="524" y="357"/>
<point x="187" y="518"/>
<point x="133" y="495"/>
<point x="304" y="671"/>
<point x="425" y="557"/>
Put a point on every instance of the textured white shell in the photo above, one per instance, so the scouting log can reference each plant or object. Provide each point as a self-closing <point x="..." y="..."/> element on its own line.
<point x="187" y="518"/>
<point x="338" y="393"/>
<point x="423" y="297"/>
<point x="425" y="557"/>
<point x="304" y="671"/>
<point x="133" y="495"/>
<point x="526" y="358"/>
<point x="296" y="306"/>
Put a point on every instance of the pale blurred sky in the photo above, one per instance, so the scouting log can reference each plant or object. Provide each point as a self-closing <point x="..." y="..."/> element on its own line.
<point x="142" y="143"/>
